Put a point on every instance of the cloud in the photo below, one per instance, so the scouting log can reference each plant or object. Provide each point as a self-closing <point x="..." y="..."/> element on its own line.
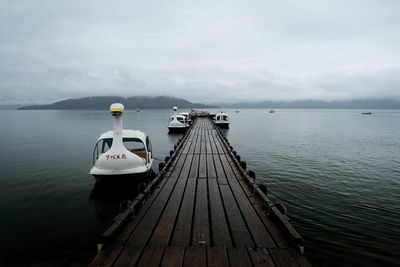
<point x="206" y="51"/>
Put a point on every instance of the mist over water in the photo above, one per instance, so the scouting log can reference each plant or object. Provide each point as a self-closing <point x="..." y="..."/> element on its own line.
<point x="337" y="172"/>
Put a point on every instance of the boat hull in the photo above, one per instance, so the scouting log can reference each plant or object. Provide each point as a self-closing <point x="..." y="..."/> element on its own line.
<point x="223" y="125"/>
<point x="139" y="177"/>
<point x="177" y="129"/>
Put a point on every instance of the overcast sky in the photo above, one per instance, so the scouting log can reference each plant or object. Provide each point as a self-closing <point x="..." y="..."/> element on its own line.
<point x="205" y="52"/>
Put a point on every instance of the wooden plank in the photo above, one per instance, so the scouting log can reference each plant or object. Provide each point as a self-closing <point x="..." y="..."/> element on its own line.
<point x="125" y="232"/>
<point x="214" y="147"/>
<point x="271" y="226"/>
<point x="219" y="147"/>
<point x="256" y="226"/>
<point x="220" y="230"/>
<point x="194" y="169"/>
<point x="195" y="257"/>
<point x="203" y="145"/>
<point x="173" y="257"/>
<point x="208" y="147"/>
<point x="282" y="257"/>
<point x="129" y="256"/>
<point x="162" y="233"/>
<point x="193" y="145"/>
<point x="187" y="146"/>
<point x="240" y="234"/>
<point x="198" y="145"/>
<point x="239" y="257"/>
<point x="222" y="181"/>
<point x="217" y="257"/>
<point x="235" y="170"/>
<point x="106" y="257"/>
<point x="211" y="171"/>
<point x="260" y="257"/>
<point x="276" y="234"/>
<point x="201" y="235"/>
<point x="218" y="166"/>
<point x="181" y="235"/>
<point x="227" y="167"/>
<point x="143" y="231"/>
<point x="203" y="166"/>
<point x="151" y="257"/>
<point x="145" y="228"/>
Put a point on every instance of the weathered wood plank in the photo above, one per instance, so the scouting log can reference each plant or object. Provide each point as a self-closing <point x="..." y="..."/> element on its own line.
<point x="256" y="227"/>
<point x="129" y="256"/>
<point x="218" y="166"/>
<point x="151" y="257"/>
<point x="239" y="257"/>
<point x="173" y="257"/>
<point x="227" y="167"/>
<point x="214" y="147"/>
<point x="282" y="257"/>
<point x="240" y="234"/>
<point x="211" y="171"/>
<point x="194" y="169"/>
<point x="122" y="236"/>
<point x="195" y="257"/>
<point x="201" y="235"/>
<point x="183" y="227"/>
<point x="203" y="166"/>
<point x="198" y="145"/>
<point x="219" y="148"/>
<point x="145" y="228"/>
<point x="208" y="147"/>
<point x="220" y="230"/>
<point x="163" y="231"/>
<point x="217" y="257"/>
<point x="260" y="257"/>
<point x="106" y="257"/>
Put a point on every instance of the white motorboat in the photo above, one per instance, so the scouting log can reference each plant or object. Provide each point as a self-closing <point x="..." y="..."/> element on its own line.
<point x="177" y="123"/>
<point x="122" y="153"/>
<point x="221" y="120"/>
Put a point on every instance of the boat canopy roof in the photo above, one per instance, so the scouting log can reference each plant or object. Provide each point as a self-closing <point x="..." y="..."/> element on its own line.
<point x="178" y="116"/>
<point x="125" y="134"/>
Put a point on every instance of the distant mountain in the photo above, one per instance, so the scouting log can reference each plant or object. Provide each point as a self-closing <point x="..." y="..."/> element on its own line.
<point x="132" y="103"/>
<point x="9" y="107"/>
<point x="353" y="104"/>
<point x="160" y="102"/>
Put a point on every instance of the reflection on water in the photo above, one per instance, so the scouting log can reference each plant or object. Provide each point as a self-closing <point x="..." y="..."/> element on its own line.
<point x="113" y="196"/>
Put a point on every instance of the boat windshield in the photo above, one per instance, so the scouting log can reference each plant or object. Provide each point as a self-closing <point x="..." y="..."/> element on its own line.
<point x="135" y="145"/>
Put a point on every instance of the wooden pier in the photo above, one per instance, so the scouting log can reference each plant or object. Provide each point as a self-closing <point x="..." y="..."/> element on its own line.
<point x="202" y="209"/>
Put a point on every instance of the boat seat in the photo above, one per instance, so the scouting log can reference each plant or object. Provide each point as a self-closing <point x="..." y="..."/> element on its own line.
<point x="141" y="154"/>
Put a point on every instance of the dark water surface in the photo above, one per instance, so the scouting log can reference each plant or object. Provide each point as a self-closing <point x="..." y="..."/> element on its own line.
<point x="337" y="172"/>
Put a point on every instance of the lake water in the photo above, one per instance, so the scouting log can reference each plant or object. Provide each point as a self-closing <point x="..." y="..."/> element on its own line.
<point x="337" y="172"/>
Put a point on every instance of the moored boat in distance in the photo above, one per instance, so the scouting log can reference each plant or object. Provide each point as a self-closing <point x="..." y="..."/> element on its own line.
<point x="177" y="123"/>
<point x="121" y="154"/>
<point x="366" y="113"/>
<point x="272" y="111"/>
<point x="188" y="117"/>
<point x="221" y="120"/>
